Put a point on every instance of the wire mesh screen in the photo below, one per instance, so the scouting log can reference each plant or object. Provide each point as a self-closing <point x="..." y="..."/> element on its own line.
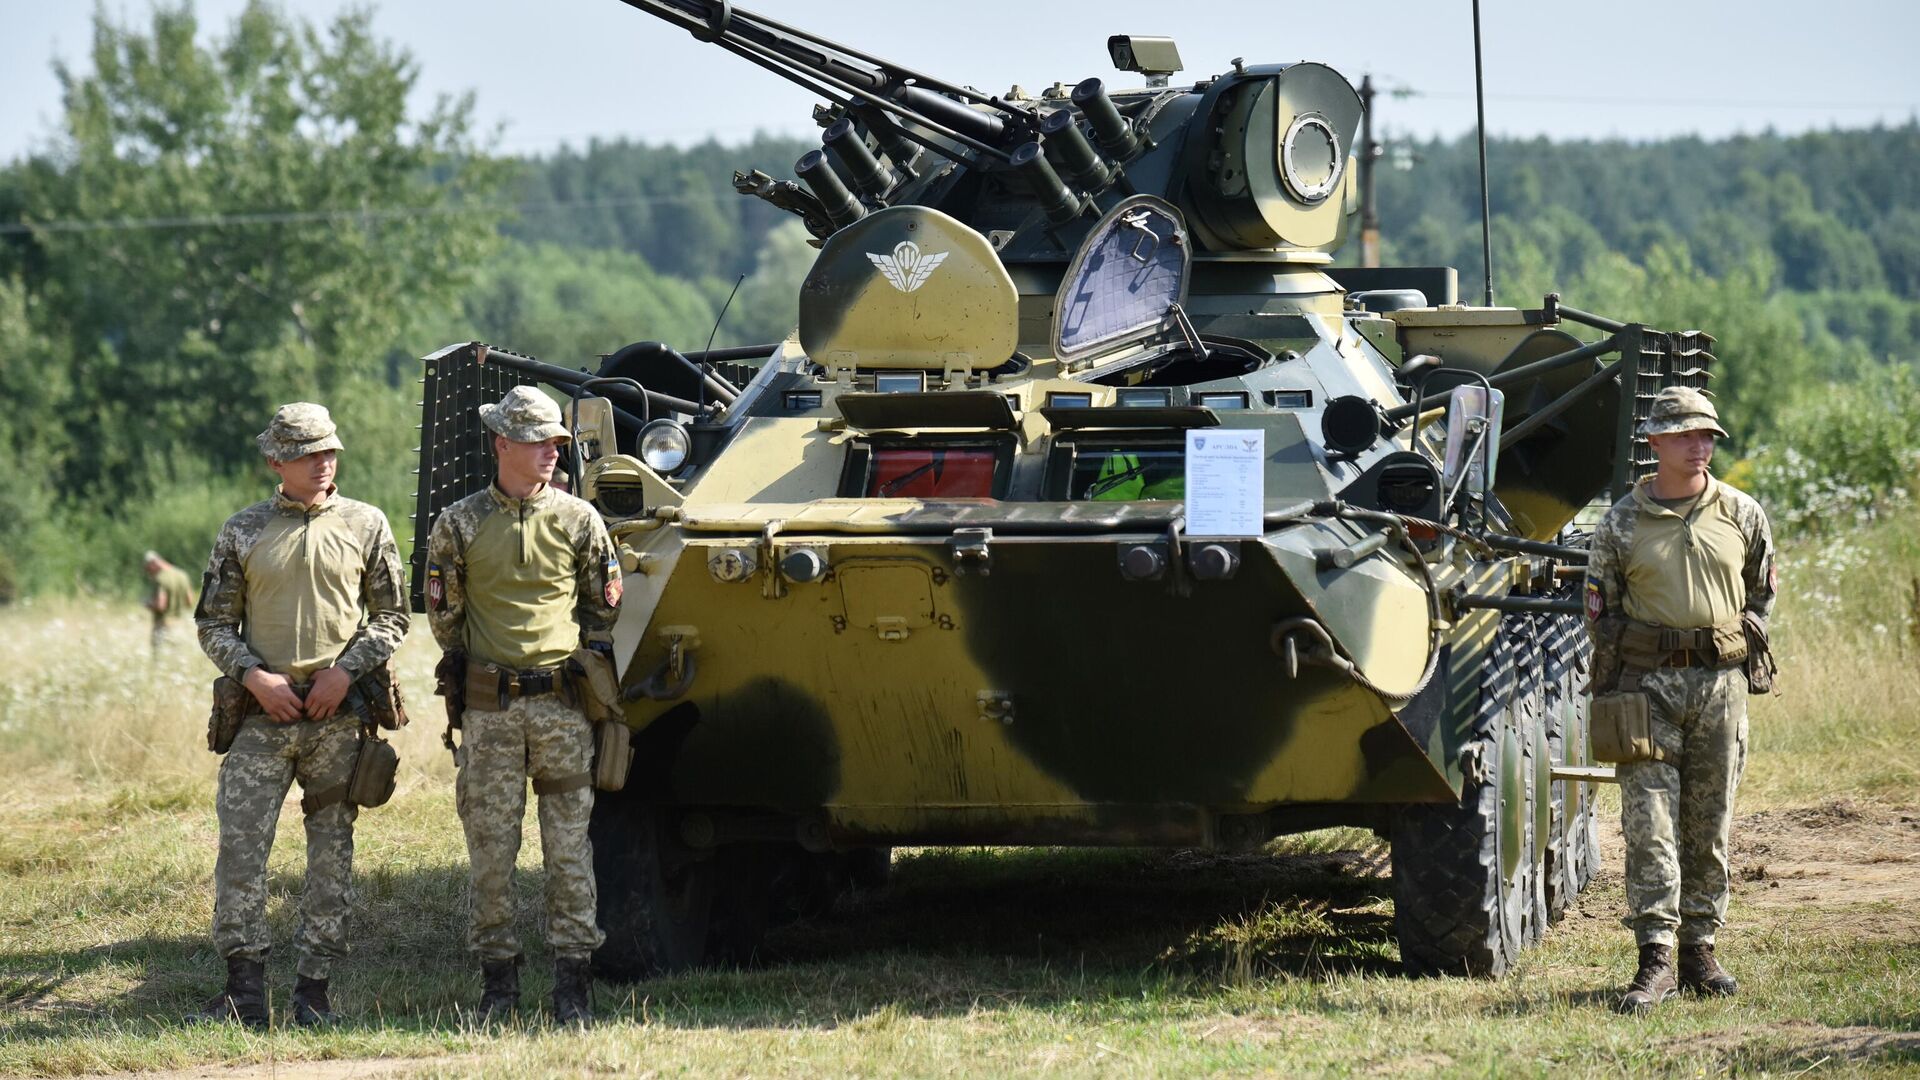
<point x="1680" y="358"/>
<point x="456" y="456"/>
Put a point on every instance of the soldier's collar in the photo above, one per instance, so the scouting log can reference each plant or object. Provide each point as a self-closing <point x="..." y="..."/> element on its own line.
<point x="294" y="506"/>
<point x="1643" y="497"/>
<point x="504" y="501"/>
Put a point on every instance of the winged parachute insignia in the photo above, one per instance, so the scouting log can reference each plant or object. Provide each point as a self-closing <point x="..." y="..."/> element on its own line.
<point x="906" y="269"/>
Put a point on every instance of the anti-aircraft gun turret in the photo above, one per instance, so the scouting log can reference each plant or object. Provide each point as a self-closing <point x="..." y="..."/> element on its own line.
<point x="928" y="571"/>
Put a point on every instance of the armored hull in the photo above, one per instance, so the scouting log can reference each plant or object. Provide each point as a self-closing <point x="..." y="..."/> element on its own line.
<point x="926" y="571"/>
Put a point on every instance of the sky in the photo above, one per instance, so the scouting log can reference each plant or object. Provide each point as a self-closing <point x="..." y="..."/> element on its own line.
<point x="549" y="73"/>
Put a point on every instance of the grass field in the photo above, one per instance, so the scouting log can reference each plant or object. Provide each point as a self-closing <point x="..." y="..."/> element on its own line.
<point x="1068" y="963"/>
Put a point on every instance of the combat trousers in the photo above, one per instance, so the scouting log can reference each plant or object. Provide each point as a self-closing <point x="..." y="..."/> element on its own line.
<point x="1676" y="814"/>
<point x="254" y="778"/>
<point x="538" y="738"/>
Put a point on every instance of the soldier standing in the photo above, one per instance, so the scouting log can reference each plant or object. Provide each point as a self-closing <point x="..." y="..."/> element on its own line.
<point x="170" y="598"/>
<point x="518" y="577"/>
<point x="303" y="596"/>
<point x="1676" y="568"/>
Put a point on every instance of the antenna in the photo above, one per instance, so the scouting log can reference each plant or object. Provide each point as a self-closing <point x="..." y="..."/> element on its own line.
<point x="1480" y="128"/>
<point x="705" y="367"/>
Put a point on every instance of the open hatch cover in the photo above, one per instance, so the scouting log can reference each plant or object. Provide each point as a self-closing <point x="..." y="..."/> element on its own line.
<point x="1122" y="284"/>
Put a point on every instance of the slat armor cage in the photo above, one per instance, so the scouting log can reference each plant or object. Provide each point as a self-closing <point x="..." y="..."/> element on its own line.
<point x="456" y="450"/>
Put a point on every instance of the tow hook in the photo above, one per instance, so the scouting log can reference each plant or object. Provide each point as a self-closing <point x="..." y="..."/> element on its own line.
<point x="1303" y="640"/>
<point x="674" y="677"/>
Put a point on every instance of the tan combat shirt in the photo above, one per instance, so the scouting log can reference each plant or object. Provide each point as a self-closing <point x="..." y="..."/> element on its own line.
<point x="1682" y="571"/>
<point x="520" y="582"/>
<point x="299" y="589"/>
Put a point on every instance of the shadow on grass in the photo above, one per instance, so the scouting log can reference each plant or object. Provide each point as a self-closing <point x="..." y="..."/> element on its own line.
<point x="956" y="930"/>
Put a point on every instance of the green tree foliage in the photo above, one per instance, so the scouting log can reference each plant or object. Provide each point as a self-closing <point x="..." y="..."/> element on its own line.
<point x="338" y="217"/>
<point x="675" y="207"/>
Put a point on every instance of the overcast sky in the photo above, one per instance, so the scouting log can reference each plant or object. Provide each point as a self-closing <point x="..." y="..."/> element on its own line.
<point x="564" y="71"/>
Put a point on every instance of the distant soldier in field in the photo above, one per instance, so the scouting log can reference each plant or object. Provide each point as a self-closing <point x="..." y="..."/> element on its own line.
<point x="171" y="597"/>
<point x="303" y="596"/>
<point x="519" y="576"/>
<point x="1679" y="588"/>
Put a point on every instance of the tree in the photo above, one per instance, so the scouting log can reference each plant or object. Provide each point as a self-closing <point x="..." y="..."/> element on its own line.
<point x="222" y="226"/>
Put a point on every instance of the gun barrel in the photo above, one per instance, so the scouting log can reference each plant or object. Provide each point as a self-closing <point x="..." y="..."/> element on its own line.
<point x="845" y="75"/>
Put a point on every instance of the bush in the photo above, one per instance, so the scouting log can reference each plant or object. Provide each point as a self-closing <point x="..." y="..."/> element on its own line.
<point x="1843" y="455"/>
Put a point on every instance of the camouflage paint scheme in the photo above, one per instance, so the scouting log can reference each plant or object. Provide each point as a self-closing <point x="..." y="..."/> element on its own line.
<point x="804" y="657"/>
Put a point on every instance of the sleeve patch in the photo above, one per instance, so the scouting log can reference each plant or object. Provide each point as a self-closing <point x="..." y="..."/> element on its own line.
<point x="615" y="589"/>
<point x="436" y="588"/>
<point x="1596" y="603"/>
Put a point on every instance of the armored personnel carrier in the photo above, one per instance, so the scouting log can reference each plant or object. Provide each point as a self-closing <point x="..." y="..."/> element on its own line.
<point x="1090" y="503"/>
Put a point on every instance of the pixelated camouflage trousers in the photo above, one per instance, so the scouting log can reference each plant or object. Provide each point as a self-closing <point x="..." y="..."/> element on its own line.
<point x="265" y="760"/>
<point x="1675" y="815"/>
<point x="542" y="739"/>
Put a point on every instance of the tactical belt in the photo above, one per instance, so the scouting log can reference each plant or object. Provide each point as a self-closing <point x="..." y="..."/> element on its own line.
<point x="490" y="688"/>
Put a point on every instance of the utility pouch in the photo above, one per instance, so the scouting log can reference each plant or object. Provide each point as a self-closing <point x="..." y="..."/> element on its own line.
<point x="1730" y="642"/>
<point x="595" y="686"/>
<point x="374" y="771"/>
<point x="1761" y="668"/>
<point x="1641" y="647"/>
<point x="612" y="754"/>
<point x="482" y="689"/>
<point x="1620" y="726"/>
<point x="231" y="703"/>
<point x="386" y="706"/>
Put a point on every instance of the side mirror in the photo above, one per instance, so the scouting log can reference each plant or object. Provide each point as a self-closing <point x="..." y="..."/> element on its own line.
<point x="1475" y="415"/>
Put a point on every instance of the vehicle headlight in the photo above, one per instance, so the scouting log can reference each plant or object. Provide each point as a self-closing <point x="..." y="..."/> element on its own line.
<point x="664" y="445"/>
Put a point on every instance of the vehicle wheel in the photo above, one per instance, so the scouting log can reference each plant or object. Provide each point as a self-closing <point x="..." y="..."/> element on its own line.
<point x="655" y="897"/>
<point x="870" y="869"/>
<point x="1456" y="910"/>
<point x="1571" y="851"/>
<point x="742" y="903"/>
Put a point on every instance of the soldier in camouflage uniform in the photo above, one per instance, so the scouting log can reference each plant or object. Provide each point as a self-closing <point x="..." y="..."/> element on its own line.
<point x="171" y="597"/>
<point x="303" y="595"/>
<point x="518" y="577"/>
<point x="1674" y="568"/>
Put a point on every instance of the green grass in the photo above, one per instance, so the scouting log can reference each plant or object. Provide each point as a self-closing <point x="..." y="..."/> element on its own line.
<point x="974" y="962"/>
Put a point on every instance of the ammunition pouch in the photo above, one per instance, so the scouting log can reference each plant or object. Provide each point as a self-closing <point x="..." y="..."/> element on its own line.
<point x="376" y="769"/>
<point x="1761" y="668"/>
<point x="232" y="703"/>
<point x="1620" y="727"/>
<point x="449" y="684"/>
<point x="612" y="754"/>
<point x="386" y="706"/>
<point x="595" y="685"/>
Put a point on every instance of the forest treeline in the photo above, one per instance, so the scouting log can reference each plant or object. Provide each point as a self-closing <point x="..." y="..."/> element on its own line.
<point x="230" y="217"/>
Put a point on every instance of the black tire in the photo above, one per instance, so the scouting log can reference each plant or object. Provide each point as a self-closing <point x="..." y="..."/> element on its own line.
<point x="1571" y="850"/>
<point x="1455" y="913"/>
<point x="655" y="897"/>
<point x="742" y="903"/>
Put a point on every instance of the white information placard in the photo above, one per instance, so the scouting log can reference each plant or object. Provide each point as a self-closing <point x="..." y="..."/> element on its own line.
<point x="1226" y="490"/>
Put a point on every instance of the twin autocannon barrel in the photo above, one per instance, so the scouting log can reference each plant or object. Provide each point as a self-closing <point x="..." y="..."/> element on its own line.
<point x="902" y="111"/>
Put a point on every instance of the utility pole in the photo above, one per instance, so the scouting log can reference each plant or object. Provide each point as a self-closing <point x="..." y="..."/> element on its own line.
<point x="1370" y="152"/>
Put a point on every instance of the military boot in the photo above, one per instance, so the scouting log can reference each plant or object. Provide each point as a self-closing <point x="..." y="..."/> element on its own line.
<point x="1702" y="974"/>
<point x="572" y="991"/>
<point x="499" y="990"/>
<point x="310" y="1005"/>
<point x="1653" y="983"/>
<point x="244" y="999"/>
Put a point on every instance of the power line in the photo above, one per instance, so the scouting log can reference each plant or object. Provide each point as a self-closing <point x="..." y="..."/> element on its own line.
<point x="1701" y="103"/>
<point x="296" y="217"/>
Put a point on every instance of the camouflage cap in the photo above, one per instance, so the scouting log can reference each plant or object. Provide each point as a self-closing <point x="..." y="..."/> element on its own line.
<point x="525" y="415"/>
<point x="297" y="430"/>
<point x="1681" y="408"/>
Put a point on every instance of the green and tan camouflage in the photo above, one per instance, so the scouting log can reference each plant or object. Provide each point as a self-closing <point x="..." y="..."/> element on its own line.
<point x="922" y="574"/>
